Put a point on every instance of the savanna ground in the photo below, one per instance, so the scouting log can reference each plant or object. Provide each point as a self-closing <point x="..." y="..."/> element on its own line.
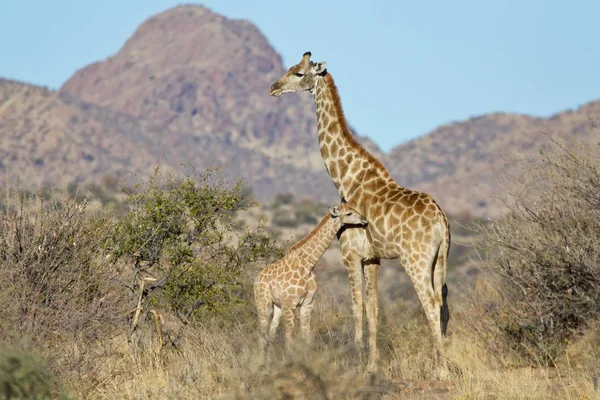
<point x="147" y="294"/>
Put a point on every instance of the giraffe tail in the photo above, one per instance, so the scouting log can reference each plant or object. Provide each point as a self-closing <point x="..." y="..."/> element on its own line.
<point x="439" y="282"/>
<point x="445" y="314"/>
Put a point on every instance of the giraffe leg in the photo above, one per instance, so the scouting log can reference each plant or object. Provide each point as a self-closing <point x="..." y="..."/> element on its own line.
<point x="306" y="310"/>
<point x="421" y="277"/>
<point x="274" y="322"/>
<point x="263" y="336"/>
<point x="371" y="271"/>
<point x="264" y="310"/>
<point x="353" y="265"/>
<point x="305" y="319"/>
<point x="288" y="309"/>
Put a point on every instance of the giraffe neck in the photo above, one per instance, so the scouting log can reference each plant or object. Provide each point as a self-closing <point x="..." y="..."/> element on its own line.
<point x="311" y="248"/>
<point x="343" y="156"/>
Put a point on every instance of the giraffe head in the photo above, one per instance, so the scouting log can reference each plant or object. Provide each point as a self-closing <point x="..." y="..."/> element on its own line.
<point x="299" y="77"/>
<point x="346" y="215"/>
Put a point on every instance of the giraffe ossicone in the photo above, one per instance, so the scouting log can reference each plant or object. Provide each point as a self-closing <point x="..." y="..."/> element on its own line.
<point x="402" y="224"/>
<point x="289" y="283"/>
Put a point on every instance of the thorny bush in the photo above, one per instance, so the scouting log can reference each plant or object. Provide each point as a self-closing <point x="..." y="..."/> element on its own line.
<point x="57" y="292"/>
<point x="547" y="252"/>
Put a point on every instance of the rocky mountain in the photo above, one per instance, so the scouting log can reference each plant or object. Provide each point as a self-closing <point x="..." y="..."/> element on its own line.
<point x="197" y="77"/>
<point x="192" y="73"/>
<point x="191" y="86"/>
<point x="49" y="138"/>
<point x="52" y="138"/>
<point x="458" y="163"/>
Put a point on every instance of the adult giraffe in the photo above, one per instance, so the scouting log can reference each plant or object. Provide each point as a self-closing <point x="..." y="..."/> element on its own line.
<point x="402" y="223"/>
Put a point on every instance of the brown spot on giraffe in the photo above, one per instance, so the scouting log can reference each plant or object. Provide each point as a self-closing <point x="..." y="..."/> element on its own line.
<point x="333" y="127"/>
<point x="334" y="149"/>
<point x="333" y="169"/>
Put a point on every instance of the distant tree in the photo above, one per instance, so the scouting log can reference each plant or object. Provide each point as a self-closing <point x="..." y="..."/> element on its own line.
<point x="283" y="199"/>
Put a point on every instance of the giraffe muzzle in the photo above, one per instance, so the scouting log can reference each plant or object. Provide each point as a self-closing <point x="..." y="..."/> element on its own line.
<point x="275" y="90"/>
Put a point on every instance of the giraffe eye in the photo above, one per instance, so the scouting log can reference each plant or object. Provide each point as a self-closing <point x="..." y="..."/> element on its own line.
<point x="298" y="74"/>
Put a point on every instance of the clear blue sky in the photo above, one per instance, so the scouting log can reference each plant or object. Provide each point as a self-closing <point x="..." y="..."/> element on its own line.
<point x="402" y="67"/>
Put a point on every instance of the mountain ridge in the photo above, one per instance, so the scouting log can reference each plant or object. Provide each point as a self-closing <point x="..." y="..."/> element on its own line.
<point x="191" y="86"/>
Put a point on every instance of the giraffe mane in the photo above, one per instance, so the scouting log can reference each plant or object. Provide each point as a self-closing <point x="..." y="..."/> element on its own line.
<point x="346" y="133"/>
<point x="312" y="233"/>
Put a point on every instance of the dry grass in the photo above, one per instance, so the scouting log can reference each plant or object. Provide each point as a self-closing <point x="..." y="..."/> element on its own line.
<point x="221" y="361"/>
<point x="481" y="374"/>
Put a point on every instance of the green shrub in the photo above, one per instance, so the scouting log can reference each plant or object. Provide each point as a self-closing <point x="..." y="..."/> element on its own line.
<point x="304" y="211"/>
<point x="309" y="212"/>
<point x="23" y="376"/>
<point x="284" y="219"/>
<point x="283" y="199"/>
<point x="182" y="232"/>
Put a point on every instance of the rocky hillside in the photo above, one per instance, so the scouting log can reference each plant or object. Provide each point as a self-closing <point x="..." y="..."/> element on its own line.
<point x="191" y="86"/>
<point x="51" y="138"/>
<point x="192" y="73"/>
<point x="457" y="163"/>
<point x="48" y="138"/>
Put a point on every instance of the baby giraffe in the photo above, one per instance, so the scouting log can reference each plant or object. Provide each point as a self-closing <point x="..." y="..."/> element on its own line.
<point x="289" y="282"/>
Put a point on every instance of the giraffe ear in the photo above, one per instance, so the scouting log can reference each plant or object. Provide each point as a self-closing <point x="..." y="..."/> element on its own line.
<point x="334" y="211"/>
<point x="319" y="67"/>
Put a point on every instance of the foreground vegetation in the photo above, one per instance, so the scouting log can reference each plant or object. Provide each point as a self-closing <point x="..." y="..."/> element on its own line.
<point x="148" y="295"/>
